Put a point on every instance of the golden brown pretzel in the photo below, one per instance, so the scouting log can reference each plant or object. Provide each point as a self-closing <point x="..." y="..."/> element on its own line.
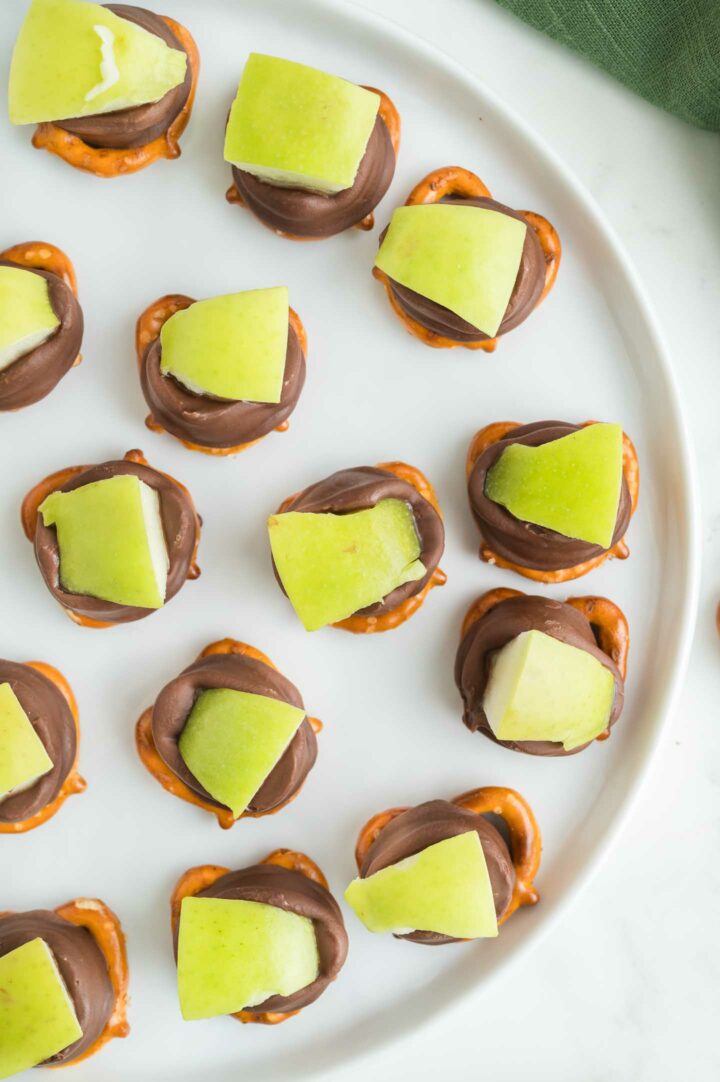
<point x="153" y="763"/>
<point x="493" y="433"/>
<point x="73" y="782"/>
<point x="204" y="875"/>
<point x="524" y="836"/>
<point x="111" y="162"/>
<point x="147" y="329"/>
<point x="444" y="183"/>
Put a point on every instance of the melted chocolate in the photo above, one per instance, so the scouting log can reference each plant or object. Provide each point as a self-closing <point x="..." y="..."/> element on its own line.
<point x="526" y="292"/>
<point x="217" y="422"/>
<point x="32" y="376"/>
<point x="303" y="213"/>
<point x="434" y="821"/>
<point x="361" y="487"/>
<point x="294" y="892"/>
<point x="522" y="542"/>
<point x="180" y="526"/>
<point x="140" y="124"/>
<point x="504" y="622"/>
<point x="52" y="720"/>
<point x="82" y="967"/>
<point x="240" y="673"/>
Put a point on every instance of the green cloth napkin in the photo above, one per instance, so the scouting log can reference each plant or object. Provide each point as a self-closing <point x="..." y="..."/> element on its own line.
<point x="666" y="50"/>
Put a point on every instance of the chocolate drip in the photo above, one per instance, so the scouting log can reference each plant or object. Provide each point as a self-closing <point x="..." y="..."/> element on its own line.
<point x="499" y="626"/>
<point x="140" y="124"/>
<point x="302" y="213"/>
<point x="52" y="720"/>
<point x="361" y="487"/>
<point x="180" y="526"/>
<point x="294" y="892"/>
<point x="526" y="292"/>
<point x="434" y="821"/>
<point x="217" y="422"/>
<point x="522" y="542"/>
<point x="32" y="376"/>
<point x="240" y="673"/>
<point x="82" y="967"/>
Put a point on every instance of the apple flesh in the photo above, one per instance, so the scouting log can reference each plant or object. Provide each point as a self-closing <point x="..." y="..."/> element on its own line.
<point x="75" y="59"/>
<point x="543" y="689"/>
<point x="23" y="758"/>
<point x="233" y="739"/>
<point x="231" y="347"/>
<point x="234" y="954"/>
<point x="445" y="889"/>
<point x="27" y="318"/>
<point x="333" y="565"/>
<point x="571" y="485"/>
<point x="111" y="541"/>
<point x="465" y="258"/>
<point x="37" y="1015"/>
<point x="298" y="127"/>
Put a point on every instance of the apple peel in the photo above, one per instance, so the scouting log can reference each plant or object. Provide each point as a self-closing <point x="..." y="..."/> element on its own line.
<point x="524" y="836"/>
<point x="174" y="785"/>
<point x="147" y="329"/>
<point x="204" y="875"/>
<point x="452" y="181"/>
<point x="493" y="433"/>
<point x="73" y="783"/>
<point x="111" y="162"/>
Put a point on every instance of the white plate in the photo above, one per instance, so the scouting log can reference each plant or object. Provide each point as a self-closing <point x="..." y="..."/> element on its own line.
<point x="393" y="731"/>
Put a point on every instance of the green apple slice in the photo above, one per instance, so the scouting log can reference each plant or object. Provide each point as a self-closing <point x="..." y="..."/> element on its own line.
<point x="37" y="1015"/>
<point x="465" y="258"/>
<point x="571" y="485"/>
<point x="27" y="318"/>
<point x="544" y="689"/>
<point x="74" y="59"/>
<point x="332" y="565"/>
<point x="445" y="889"/>
<point x="233" y="739"/>
<point x="234" y="954"/>
<point x="232" y="346"/>
<point x="111" y="541"/>
<point x="23" y="758"/>
<point x="298" y="127"/>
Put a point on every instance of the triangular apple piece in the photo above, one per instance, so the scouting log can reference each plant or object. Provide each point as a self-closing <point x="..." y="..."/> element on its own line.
<point x="75" y="59"/>
<point x="333" y="565"/>
<point x="27" y="318"/>
<point x="445" y="889"/>
<point x="571" y="485"/>
<point x="23" y="758"/>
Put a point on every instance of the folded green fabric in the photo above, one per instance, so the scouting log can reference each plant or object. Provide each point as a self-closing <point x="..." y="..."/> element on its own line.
<point x="666" y="50"/>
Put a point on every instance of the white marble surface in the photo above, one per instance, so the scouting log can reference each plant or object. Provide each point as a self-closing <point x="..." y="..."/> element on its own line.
<point x="627" y="987"/>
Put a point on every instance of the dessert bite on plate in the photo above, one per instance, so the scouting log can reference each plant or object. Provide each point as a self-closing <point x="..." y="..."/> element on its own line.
<point x="260" y="943"/>
<point x="229" y="735"/>
<point x="442" y="872"/>
<point x="64" y="979"/>
<point x="539" y="676"/>
<point x="113" y="542"/>
<point x="41" y="322"/>
<point x="39" y="736"/>
<point x="461" y="269"/>
<point x="312" y="154"/>
<point x="552" y="500"/>
<point x="220" y="374"/>
<point x="111" y="87"/>
<point x="360" y="549"/>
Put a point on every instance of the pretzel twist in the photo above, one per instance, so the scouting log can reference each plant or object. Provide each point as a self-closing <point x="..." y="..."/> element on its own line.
<point x="147" y="329"/>
<point x="452" y="181"/>
<point x="496" y="432"/>
<point x="204" y="875"/>
<point x="171" y="783"/>
<point x="112" y="162"/>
